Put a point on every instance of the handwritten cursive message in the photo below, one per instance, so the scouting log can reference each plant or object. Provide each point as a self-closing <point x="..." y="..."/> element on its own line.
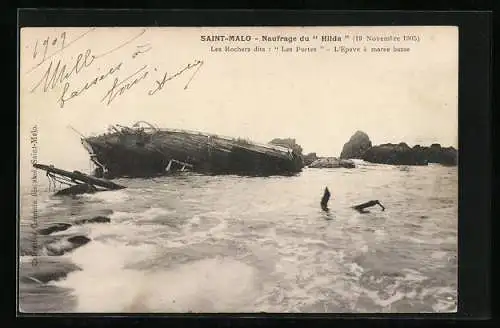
<point x="68" y="75"/>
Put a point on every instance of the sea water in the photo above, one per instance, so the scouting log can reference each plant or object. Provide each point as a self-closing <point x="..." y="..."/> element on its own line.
<point x="194" y="243"/>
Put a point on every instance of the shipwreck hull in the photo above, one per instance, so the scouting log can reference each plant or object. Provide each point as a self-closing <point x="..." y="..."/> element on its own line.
<point x="140" y="153"/>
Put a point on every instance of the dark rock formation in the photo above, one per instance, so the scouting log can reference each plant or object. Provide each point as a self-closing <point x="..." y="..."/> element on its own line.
<point x="357" y="145"/>
<point x="97" y="219"/>
<point x="442" y="155"/>
<point x="402" y="154"/>
<point x="54" y="228"/>
<point x="310" y="158"/>
<point x="79" y="240"/>
<point x="77" y="189"/>
<point x="332" y="162"/>
<point x="64" y="246"/>
<point x="42" y="269"/>
<point x="360" y="146"/>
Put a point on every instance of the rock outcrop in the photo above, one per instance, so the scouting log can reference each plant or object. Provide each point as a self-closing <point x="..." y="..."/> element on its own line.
<point x="356" y="147"/>
<point x="97" y="219"/>
<point x="63" y="246"/>
<point x="402" y="154"/>
<point x="359" y="146"/>
<point x="43" y="269"/>
<point x="309" y="158"/>
<point x="437" y="154"/>
<point x="332" y="162"/>
<point x="55" y="227"/>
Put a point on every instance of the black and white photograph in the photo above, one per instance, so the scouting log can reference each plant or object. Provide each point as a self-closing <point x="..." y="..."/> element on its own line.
<point x="277" y="169"/>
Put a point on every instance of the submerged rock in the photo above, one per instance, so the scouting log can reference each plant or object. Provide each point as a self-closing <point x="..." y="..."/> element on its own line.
<point x="357" y="145"/>
<point x="54" y="228"/>
<point x="97" y="219"/>
<point x="43" y="269"/>
<point x="64" y="246"/>
<point x="78" y="240"/>
<point x="332" y="162"/>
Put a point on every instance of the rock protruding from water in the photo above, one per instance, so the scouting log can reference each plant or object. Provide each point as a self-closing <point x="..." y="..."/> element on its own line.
<point x="356" y="147"/>
<point x="97" y="219"/>
<point x="310" y="158"/>
<point x="55" y="227"/>
<point x="43" y="269"/>
<point x="63" y="246"/>
<point x="402" y="154"/>
<point x="332" y="162"/>
<point x="359" y="146"/>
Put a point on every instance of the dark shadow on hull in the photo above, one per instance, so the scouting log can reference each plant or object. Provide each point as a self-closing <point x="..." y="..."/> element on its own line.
<point x="132" y="153"/>
<point x="128" y="164"/>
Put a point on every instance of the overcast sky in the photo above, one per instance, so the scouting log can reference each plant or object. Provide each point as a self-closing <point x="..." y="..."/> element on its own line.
<point x="319" y="98"/>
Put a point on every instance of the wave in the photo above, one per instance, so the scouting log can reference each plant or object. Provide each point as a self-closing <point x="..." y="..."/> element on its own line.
<point x="109" y="196"/>
<point x="208" y="285"/>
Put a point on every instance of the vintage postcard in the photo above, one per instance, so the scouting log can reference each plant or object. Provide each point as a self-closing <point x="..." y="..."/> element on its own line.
<point x="238" y="169"/>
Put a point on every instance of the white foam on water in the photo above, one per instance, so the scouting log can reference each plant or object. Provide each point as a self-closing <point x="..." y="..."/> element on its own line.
<point x="385" y="302"/>
<point x="415" y="240"/>
<point x="109" y="196"/>
<point x="355" y="269"/>
<point x="316" y="242"/>
<point x="125" y="231"/>
<point x="219" y="229"/>
<point x="47" y="204"/>
<point x="360" y="162"/>
<point x="413" y="276"/>
<point x="287" y="258"/>
<point x="445" y="306"/>
<point x="380" y="233"/>
<point x="438" y="255"/>
<point x="118" y="216"/>
<point x="108" y="285"/>
<point x="73" y="230"/>
<point x="154" y="212"/>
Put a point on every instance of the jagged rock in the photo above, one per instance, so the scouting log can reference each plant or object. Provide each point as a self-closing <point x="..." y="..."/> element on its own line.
<point x="309" y="158"/>
<point x="402" y="154"/>
<point x="97" y="219"/>
<point x="357" y="145"/>
<point x="54" y="228"/>
<point x="42" y="269"/>
<point x="64" y="246"/>
<point x="445" y="156"/>
<point x="395" y="154"/>
<point x="332" y="162"/>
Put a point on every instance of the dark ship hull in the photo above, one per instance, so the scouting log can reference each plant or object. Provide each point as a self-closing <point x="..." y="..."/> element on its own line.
<point x="150" y="151"/>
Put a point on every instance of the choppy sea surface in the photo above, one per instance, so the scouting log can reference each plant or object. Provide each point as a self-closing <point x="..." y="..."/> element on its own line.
<point x="194" y="243"/>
